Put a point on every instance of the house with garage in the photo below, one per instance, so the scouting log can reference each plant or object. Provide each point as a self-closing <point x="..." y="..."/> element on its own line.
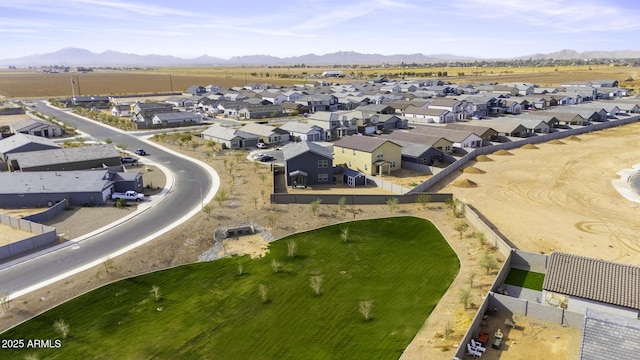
<point x="439" y="143"/>
<point x="307" y="163"/>
<point x="65" y="159"/>
<point x="230" y="138"/>
<point x="336" y="124"/>
<point x="506" y="128"/>
<point x="419" y="115"/>
<point x="81" y="188"/>
<point x="369" y="155"/>
<point x="145" y="111"/>
<point x="461" y="109"/>
<point x="121" y="110"/>
<point x="303" y="132"/>
<point x="258" y="111"/>
<point x="24" y="143"/>
<point x="266" y="133"/>
<point x="562" y="118"/>
<point x="423" y="153"/>
<point x="36" y="127"/>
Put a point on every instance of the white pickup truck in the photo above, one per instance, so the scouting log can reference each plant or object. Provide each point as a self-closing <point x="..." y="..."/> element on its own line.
<point x="129" y="195"/>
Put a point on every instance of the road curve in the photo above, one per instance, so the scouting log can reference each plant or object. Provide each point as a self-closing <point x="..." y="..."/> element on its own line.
<point x="194" y="183"/>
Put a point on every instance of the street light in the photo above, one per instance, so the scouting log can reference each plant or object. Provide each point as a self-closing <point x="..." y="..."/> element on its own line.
<point x="201" y="199"/>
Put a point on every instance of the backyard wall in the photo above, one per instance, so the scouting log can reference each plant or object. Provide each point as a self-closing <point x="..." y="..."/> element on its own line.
<point x="43" y="236"/>
<point x="50" y="213"/>
<point x="351" y="199"/>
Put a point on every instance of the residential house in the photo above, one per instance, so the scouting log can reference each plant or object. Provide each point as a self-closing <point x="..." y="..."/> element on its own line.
<point x="578" y="283"/>
<point x="196" y="90"/>
<point x="561" y="117"/>
<point x="65" y="159"/>
<point x="275" y="98"/>
<point x="369" y="155"/>
<point x="304" y="132"/>
<point x="319" y="102"/>
<point x="506" y="127"/>
<point x="307" y="163"/>
<point x="23" y="143"/>
<point x="266" y="133"/>
<point x="180" y="118"/>
<point x="260" y="111"/>
<point x="230" y="138"/>
<point x="36" y="127"/>
<point x="335" y="124"/>
<point x="460" y="109"/>
<point x="608" y="336"/>
<point x="145" y="111"/>
<point x="486" y="133"/>
<point x="461" y="139"/>
<point x="420" y="115"/>
<point x="42" y="189"/>
<point x="121" y="110"/>
<point x="437" y="142"/>
<point x="420" y="149"/>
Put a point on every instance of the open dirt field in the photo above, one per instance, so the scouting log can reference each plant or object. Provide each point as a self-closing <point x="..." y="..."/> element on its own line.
<point x="558" y="196"/>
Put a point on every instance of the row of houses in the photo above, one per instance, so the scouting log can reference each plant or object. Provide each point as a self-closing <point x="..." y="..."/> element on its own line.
<point x="41" y="173"/>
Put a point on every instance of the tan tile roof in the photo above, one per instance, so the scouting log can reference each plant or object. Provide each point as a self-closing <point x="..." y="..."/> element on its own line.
<point x="593" y="279"/>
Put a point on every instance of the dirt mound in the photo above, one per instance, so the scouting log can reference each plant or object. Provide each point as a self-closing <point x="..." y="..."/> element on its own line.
<point x="530" y="146"/>
<point x="556" y="142"/>
<point x="502" y="152"/>
<point x="574" y="138"/>
<point x="473" y="170"/>
<point x="464" y="183"/>
<point x="482" y="158"/>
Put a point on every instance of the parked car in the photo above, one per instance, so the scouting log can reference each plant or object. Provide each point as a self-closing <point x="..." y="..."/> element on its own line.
<point x="267" y="158"/>
<point x="128" y="160"/>
<point x="141" y="152"/>
<point x="261" y="145"/>
<point x="129" y="195"/>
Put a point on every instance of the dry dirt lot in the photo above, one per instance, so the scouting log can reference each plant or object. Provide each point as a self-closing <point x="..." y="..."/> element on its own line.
<point x="558" y="196"/>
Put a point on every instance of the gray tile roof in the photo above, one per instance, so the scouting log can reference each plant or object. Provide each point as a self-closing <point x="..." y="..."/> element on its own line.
<point x="65" y="155"/>
<point x="609" y="337"/>
<point x="221" y="132"/>
<point x="300" y="128"/>
<point x="292" y="150"/>
<point x="362" y="143"/>
<point x="593" y="279"/>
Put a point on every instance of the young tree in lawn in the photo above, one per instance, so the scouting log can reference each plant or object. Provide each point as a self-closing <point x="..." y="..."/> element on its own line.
<point x="365" y="307"/>
<point x="263" y="290"/>
<point x="316" y="284"/>
<point x="292" y="248"/>
<point x="62" y="328"/>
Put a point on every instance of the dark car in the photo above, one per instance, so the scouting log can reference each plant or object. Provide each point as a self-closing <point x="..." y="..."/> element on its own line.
<point x="266" y="158"/>
<point x="141" y="152"/>
<point x="128" y="160"/>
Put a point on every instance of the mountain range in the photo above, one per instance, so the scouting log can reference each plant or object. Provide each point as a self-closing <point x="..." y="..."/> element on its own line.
<point x="82" y="57"/>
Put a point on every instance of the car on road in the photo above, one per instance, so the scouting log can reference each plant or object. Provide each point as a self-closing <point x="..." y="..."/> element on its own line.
<point x="259" y="156"/>
<point x="267" y="158"/>
<point x="128" y="160"/>
<point x="141" y="152"/>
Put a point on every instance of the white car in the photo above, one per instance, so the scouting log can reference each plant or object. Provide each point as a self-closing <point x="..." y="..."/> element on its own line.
<point x="261" y="145"/>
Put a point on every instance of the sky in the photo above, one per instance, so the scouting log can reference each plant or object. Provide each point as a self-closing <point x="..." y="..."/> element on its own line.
<point x="223" y="28"/>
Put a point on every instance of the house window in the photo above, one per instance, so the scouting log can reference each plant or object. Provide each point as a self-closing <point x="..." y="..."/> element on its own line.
<point x="323" y="163"/>
<point x="349" y="163"/>
<point x="424" y="161"/>
<point x="354" y="152"/>
<point x="393" y="164"/>
<point x="366" y="166"/>
<point x="380" y="155"/>
<point x="343" y="150"/>
<point x="447" y="148"/>
<point x="323" y="177"/>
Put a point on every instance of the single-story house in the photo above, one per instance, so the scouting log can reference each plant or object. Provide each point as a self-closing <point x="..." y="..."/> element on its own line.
<point x="461" y="139"/>
<point x="486" y="133"/>
<point x="307" y="163"/>
<point x="179" y="117"/>
<point x="65" y="159"/>
<point x="24" y="143"/>
<point x="304" y="132"/>
<point x="424" y="116"/>
<point x="230" y="138"/>
<point x="266" y="133"/>
<point x="36" y="127"/>
<point x="437" y="142"/>
<point x="42" y="189"/>
<point x="369" y="155"/>
<point x="578" y="283"/>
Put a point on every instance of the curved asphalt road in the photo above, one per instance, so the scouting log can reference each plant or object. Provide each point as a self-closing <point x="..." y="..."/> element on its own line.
<point x="183" y="201"/>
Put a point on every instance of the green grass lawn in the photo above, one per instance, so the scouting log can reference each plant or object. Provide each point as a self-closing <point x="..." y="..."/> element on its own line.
<point x="525" y="279"/>
<point x="403" y="265"/>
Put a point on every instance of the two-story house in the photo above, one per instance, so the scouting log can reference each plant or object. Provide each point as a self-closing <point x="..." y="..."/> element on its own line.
<point x="369" y="155"/>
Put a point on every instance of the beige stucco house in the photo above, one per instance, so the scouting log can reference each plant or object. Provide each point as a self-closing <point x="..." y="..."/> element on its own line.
<point x="369" y="155"/>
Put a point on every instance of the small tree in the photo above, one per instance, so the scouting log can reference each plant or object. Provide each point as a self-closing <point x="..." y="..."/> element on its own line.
<point x="423" y="199"/>
<point x="315" y="206"/>
<point x="342" y="204"/>
<point x="240" y="268"/>
<point x="464" y="295"/>
<point x="255" y="202"/>
<point x="393" y="204"/>
<point x="4" y="302"/>
<point x="121" y="203"/>
<point x="62" y="328"/>
<point x="207" y="209"/>
<point x="453" y="204"/>
<point x="344" y="234"/>
<point x="482" y="239"/>
<point x="155" y="290"/>
<point x="487" y="262"/>
<point x="221" y="197"/>
<point x="108" y="141"/>
<point x="262" y="178"/>
<point x="263" y="290"/>
<point x="461" y="227"/>
<point x="272" y="218"/>
<point x="316" y="284"/>
<point x="292" y="248"/>
<point x="470" y="279"/>
<point x="275" y="265"/>
<point x="365" y="307"/>
<point x="448" y="330"/>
